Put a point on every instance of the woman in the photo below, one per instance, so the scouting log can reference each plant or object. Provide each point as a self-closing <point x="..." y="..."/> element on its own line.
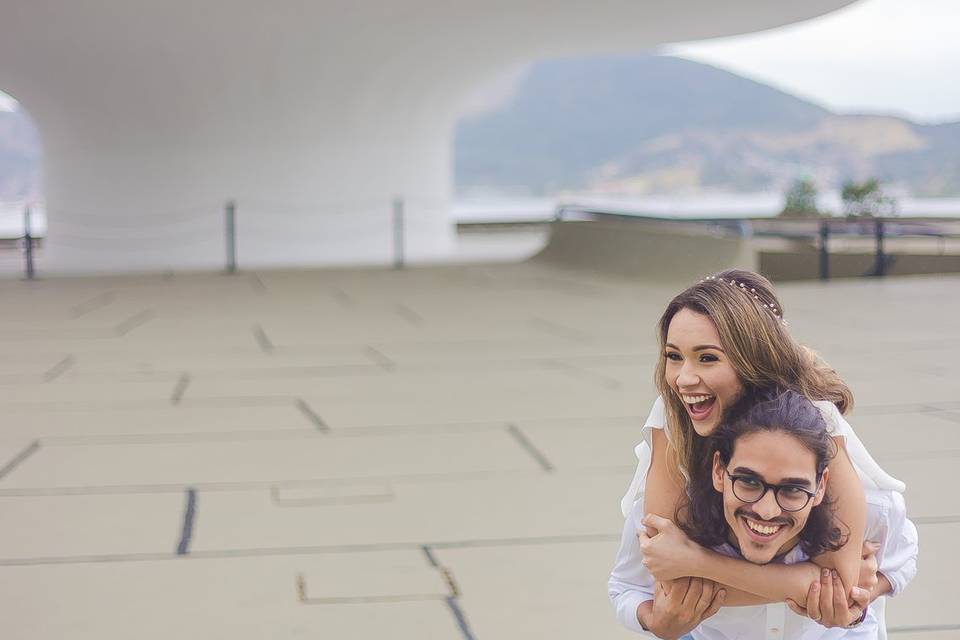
<point x="721" y="337"/>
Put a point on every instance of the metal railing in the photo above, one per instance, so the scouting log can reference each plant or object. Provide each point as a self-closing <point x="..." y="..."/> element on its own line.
<point x="388" y="219"/>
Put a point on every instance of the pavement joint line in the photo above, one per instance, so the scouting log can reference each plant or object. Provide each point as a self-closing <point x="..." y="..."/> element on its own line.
<point x="946" y="414"/>
<point x="413" y="597"/>
<point x="398" y="431"/>
<point x="263" y="341"/>
<point x="408" y="314"/>
<point x="260" y="485"/>
<point x="936" y="519"/>
<point x="380" y="358"/>
<point x="342" y="297"/>
<point x="557" y="329"/>
<point x="460" y="618"/>
<point x="257" y="283"/>
<point x="180" y="388"/>
<point x="97" y="302"/>
<point x="59" y="369"/>
<point x="136" y="320"/>
<point x="286" y="503"/>
<point x="189" y="514"/>
<point x="312" y="416"/>
<point x="564" y="366"/>
<point x="923" y="628"/>
<point x="19" y="458"/>
<point x="529" y="447"/>
<point x="181" y="437"/>
<point x="428" y="552"/>
<point x="373" y="547"/>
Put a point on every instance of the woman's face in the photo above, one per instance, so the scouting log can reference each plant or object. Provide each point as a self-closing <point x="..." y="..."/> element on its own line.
<point x="698" y="370"/>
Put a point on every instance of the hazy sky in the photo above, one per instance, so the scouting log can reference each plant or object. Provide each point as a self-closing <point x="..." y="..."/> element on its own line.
<point x="892" y="56"/>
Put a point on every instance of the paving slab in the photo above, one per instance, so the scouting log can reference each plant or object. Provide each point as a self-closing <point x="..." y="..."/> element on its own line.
<point x="929" y="600"/>
<point x="926" y="478"/>
<point x="886" y="434"/>
<point x="74" y="425"/>
<point x="312" y="457"/>
<point x="561" y="593"/>
<point x="538" y="507"/>
<point x="238" y="598"/>
<point x="34" y="394"/>
<point x="61" y="527"/>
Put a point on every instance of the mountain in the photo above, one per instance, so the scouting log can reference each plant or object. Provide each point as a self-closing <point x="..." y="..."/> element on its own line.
<point x="661" y="124"/>
<point x="646" y="124"/>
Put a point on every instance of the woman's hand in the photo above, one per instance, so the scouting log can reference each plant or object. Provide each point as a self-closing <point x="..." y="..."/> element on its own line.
<point x="668" y="554"/>
<point x="827" y="603"/>
<point x="680" y="605"/>
<point x="869" y="566"/>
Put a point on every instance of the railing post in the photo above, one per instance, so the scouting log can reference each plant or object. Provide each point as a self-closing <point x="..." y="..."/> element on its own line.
<point x="880" y="268"/>
<point x="824" y="250"/>
<point x="28" y="243"/>
<point x="398" y="234"/>
<point x="231" y="236"/>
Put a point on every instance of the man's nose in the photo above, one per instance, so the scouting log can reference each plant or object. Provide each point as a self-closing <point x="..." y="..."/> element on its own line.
<point x="767" y="507"/>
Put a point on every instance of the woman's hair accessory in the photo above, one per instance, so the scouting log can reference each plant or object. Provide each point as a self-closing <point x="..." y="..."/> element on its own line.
<point x="770" y="307"/>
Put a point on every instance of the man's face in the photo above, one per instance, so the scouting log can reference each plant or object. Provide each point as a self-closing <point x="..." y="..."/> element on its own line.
<point x="763" y="530"/>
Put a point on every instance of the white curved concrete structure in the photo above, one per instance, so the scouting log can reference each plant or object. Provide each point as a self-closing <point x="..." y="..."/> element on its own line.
<point x="153" y="112"/>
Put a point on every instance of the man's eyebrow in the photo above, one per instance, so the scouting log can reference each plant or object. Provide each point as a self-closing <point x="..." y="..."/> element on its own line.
<point x="797" y="482"/>
<point x="699" y="347"/>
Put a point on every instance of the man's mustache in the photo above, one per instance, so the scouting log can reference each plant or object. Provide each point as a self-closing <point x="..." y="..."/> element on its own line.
<point x="784" y="520"/>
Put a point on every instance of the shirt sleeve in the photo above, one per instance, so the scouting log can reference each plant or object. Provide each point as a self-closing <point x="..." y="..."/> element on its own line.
<point x="898" y="552"/>
<point x="657" y="419"/>
<point x="630" y="583"/>
<point x="871" y="474"/>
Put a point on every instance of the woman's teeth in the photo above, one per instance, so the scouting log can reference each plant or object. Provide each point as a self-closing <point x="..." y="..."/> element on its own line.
<point x="696" y="399"/>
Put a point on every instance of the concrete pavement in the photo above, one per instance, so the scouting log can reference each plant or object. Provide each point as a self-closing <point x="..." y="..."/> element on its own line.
<point x="435" y="452"/>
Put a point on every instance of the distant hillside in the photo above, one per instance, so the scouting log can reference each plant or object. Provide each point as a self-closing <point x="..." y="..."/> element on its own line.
<point x="661" y="124"/>
<point x="646" y="124"/>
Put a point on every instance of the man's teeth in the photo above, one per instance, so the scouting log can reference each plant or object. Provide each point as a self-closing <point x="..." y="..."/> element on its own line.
<point x="763" y="529"/>
<point x="695" y="399"/>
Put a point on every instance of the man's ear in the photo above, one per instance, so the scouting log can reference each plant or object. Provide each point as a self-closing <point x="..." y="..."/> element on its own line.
<point x="822" y="489"/>
<point x="718" y="472"/>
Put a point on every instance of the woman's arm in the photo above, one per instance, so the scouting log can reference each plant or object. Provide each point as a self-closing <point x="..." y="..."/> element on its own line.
<point x="664" y="487"/>
<point x="670" y="554"/>
<point x="850" y="510"/>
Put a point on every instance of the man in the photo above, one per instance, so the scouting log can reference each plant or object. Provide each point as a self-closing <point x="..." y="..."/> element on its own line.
<point x="760" y="496"/>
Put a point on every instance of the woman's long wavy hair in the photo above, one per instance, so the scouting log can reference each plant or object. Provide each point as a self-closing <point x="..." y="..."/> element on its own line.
<point x="701" y="512"/>
<point x="749" y="319"/>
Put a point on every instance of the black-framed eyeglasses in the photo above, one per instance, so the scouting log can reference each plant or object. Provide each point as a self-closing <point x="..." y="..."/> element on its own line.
<point x="751" y="489"/>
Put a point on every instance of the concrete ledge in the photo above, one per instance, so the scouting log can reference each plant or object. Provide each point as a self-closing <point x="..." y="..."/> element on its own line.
<point x="665" y="250"/>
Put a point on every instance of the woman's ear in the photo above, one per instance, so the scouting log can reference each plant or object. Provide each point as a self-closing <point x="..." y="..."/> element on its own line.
<point x="822" y="489"/>
<point x="718" y="472"/>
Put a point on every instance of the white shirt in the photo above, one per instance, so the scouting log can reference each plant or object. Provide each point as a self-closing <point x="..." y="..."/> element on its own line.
<point x="631" y="584"/>
<point x="870" y="473"/>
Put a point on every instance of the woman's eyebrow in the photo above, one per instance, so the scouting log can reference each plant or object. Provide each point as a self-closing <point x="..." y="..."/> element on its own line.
<point x="699" y="347"/>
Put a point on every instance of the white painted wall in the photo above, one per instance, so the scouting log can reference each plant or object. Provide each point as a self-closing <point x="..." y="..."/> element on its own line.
<point x="312" y="115"/>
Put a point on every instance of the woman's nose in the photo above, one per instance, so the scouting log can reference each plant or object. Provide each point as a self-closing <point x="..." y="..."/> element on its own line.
<point x="687" y="378"/>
